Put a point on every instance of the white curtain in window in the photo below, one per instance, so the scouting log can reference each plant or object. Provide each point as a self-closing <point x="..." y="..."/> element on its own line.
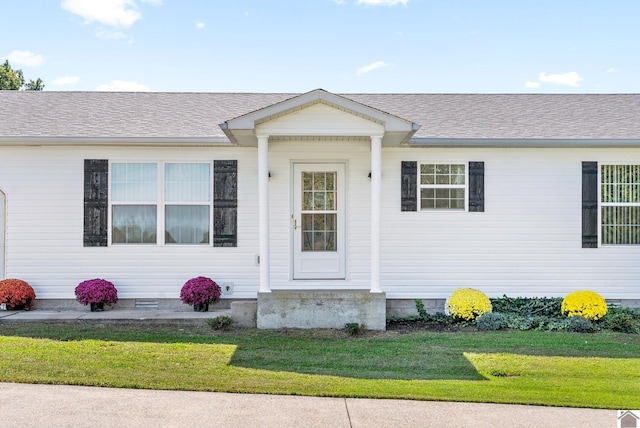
<point x="134" y="182"/>
<point x="134" y="224"/>
<point x="187" y="224"/>
<point x="187" y="182"/>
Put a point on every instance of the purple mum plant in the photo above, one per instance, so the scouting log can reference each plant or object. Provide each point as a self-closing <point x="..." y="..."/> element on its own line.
<point x="96" y="291"/>
<point x="199" y="291"/>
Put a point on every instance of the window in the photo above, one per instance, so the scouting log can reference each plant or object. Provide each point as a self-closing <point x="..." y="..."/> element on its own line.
<point x="620" y="204"/>
<point x="146" y="198"/>
<point x="443" y="187"/>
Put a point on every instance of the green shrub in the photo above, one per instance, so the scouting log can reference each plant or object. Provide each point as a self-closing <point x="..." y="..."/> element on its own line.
<point x="221" y="322"/>
<point x="623" y="320"/>
<point x="525" y="306"/>
<point x="491" y="321"/>
<point x="354" y="328"/>
<point x="580" y="325"/>
<point x="585" y="304"/>
<point x="467" y="304"/>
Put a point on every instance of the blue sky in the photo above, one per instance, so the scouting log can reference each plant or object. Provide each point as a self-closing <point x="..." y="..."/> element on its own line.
<point x="344" y="46"/>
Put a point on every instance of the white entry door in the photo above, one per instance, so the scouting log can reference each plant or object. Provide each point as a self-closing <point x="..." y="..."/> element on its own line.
<point x="318" y="221"/>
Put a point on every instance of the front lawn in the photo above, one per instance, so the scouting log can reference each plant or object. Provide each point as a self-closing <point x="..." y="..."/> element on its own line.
<point x="600" y="370"/>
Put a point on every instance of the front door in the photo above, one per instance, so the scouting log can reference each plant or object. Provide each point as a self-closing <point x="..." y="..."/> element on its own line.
<point x="318" y="221"/>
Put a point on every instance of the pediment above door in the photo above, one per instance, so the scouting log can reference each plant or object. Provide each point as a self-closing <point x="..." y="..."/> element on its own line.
<point x="318" y="114"/>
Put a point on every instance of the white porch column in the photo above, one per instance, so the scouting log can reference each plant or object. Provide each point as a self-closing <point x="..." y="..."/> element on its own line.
<point x="263" y="212"/>
<point x="376" y="184"/>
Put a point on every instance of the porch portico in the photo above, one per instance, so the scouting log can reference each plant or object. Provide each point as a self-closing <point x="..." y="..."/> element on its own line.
<point x="317" y="288"/>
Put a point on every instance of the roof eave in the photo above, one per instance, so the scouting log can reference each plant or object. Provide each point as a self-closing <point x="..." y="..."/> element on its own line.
<point x="114" y="141"/>
<point x="525" y="142"/>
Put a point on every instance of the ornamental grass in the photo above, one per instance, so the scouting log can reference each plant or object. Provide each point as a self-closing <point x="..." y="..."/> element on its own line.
<point x="467" y="304"/>
<point x="586" y="304"/>
<point x="16" y="292"/>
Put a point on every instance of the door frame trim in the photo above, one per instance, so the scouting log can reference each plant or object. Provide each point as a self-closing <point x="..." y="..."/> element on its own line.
<point x="292" y="212"/>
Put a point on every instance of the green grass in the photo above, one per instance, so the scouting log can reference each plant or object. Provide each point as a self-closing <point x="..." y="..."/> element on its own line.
<point x="559" y="369"/>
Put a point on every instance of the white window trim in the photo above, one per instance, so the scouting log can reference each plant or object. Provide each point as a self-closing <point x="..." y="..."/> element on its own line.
<point x="443" y="186"/>
<point x="161" y="204"/>
<point x="610" y="204"/>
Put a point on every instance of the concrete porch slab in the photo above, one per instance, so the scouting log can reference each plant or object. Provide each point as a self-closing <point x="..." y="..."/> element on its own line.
<point x="321" y="309"/>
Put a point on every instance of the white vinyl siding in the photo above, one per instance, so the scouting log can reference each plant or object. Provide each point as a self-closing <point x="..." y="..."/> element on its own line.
<point x="526" y="243"/>
<point x="44" y="239"/>
<point x="620" y="204"/>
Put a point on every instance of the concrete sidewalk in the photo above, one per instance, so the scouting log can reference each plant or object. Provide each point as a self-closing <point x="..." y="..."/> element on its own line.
<point x="42" y="406"/>
<point x="109" y="314"/>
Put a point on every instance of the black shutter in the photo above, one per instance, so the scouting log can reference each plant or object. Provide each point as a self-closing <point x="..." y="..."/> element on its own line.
<point x="589" y="204"/>
<point x="476" y="187"/>
<point x="225" y="203"/>
<point x="409" y="186"/>
<point x="96" y="202"/>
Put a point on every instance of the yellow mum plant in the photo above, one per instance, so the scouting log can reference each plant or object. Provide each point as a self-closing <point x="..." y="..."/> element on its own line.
<point x="467" y="304"/>
<point x="585" y="304"/>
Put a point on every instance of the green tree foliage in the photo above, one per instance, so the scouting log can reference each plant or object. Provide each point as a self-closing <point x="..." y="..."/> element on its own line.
<point x="13" y="80"/>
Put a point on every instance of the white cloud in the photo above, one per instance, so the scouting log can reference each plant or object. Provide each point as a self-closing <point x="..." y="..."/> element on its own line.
<point x="383" y="2"/>
<point x="66" y="80"/>
<point x="103" y="34"/>
<point x="123" y="86"/>
<point x="200" y="25"/>
<point x="116" y="13"/>
<point x="567" y="79"/>
<point x="153" y="2"/>
<point x="26" y="58"/>
<point x="368" y="68"/>
<point x="612" y="70"/>
<point x="530" y="84"/>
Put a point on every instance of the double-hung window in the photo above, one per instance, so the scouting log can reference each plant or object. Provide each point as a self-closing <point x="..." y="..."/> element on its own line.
<point x="166" y="203"/>
<point x="620" y="204"/>
<point x="443" y="186"/>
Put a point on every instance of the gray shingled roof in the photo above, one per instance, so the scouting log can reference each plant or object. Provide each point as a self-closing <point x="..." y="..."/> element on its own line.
<point x="25" y="114"/>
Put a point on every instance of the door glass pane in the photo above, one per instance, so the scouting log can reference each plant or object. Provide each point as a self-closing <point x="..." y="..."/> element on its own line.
<point x="319" y="214"/>
<point x="319" y="232"/>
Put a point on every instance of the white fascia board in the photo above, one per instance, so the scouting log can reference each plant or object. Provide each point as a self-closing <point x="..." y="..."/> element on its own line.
<point x="248" y="121"/>
<point x="525" y="142"/>
<point x="114" y="141"/>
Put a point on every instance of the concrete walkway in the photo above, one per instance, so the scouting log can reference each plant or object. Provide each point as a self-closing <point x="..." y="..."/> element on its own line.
<point x="110" y="314"/>
<point x="43" y="406"/>
<point x="23" y="405"/>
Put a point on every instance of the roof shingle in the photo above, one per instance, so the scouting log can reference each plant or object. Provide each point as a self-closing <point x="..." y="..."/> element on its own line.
<point x="32" y="114"/>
